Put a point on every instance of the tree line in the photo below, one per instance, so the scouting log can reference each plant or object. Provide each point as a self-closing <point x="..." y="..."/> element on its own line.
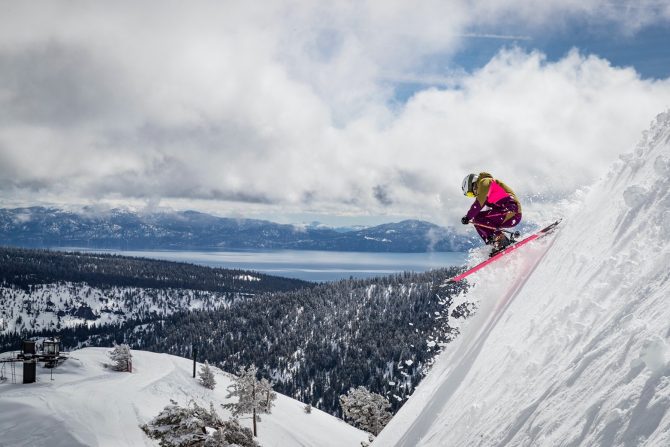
<point x="24" y="267"/>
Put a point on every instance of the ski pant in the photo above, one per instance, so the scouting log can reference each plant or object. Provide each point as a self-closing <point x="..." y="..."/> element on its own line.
<point x="494" y="218"/>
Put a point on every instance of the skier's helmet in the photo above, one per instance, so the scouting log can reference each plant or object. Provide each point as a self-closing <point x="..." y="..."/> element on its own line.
<point x="469" y="183"/>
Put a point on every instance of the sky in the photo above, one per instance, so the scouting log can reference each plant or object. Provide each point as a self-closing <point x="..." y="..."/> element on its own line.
<point x="347" y="112"/>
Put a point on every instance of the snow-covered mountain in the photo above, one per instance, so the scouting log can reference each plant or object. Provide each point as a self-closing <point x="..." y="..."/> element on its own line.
<point x="89" y="405"/>
<point x="40" y="227"/>
<point x="569" y="346"/>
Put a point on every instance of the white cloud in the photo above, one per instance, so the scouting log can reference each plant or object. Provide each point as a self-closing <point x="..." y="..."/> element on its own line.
<point x="546" y="128"/>
<point x="239" y="107"/>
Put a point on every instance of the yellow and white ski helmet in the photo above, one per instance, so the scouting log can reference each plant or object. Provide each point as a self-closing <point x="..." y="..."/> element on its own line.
<point x="469" y="183"/>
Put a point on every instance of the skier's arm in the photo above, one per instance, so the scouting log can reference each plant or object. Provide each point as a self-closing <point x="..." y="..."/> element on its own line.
<point x="474" y="210"/>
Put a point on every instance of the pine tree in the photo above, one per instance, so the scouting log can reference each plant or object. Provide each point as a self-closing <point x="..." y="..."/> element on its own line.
<point x="366" y="410"/>
<point x="122" y="357"/>
<point x="254" y="396"/>
<point x="207" y="376"/>
<point x="193" y="425"/>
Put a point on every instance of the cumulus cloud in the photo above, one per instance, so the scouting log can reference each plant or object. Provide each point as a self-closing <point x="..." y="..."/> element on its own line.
<point x="289" y="106"/>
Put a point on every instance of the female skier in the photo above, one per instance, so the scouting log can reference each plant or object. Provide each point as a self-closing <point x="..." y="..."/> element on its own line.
<point x="495" y="207"/>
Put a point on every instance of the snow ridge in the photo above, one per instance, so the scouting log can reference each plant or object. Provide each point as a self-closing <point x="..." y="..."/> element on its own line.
<point x="578" y="354"/>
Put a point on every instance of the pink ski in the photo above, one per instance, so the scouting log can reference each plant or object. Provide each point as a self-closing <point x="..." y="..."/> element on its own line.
<point x="502" y="253"/>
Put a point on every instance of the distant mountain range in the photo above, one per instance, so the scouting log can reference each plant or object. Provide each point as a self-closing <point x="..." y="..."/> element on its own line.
<point x="40" y="227"/>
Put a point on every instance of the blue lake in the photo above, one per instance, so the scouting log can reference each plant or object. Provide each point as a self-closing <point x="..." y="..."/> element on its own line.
<point x="307" y="265"/>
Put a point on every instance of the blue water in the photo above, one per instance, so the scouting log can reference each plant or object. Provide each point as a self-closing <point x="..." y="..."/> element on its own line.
<point x="307" y="265"/>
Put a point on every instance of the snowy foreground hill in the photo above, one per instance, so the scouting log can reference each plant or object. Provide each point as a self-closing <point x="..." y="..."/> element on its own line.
<point x="89" y="405"/>
<point x="570" y="344"/>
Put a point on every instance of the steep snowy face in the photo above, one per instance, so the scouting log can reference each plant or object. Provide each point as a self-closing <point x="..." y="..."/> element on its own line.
<point x="574" y="350"/>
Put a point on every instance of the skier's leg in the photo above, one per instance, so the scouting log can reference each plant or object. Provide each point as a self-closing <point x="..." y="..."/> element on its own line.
<point x="511" y="221"/>
<point x="483" y="219"/>
<point x="512" y="215"/>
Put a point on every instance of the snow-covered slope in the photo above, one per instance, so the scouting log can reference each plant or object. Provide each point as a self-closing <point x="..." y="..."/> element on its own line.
<point x="89" y="405"/>
<point x="574" y="351"/>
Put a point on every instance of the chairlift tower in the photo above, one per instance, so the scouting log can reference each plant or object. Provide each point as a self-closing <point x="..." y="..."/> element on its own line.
<point x="30" y="357"/>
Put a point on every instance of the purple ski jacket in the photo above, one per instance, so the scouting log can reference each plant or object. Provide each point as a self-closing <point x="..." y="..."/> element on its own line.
<point x="494" y="194"/>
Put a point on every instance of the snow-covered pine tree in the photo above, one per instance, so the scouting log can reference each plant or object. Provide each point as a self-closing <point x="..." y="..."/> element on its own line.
<point x="193" y="425"/>
<point x="207" y="376"/>
<point x="366" y="410"/>
<point x="254" y="396"/>
<point x="233" y="434"/>
<point x="122" y="358"/>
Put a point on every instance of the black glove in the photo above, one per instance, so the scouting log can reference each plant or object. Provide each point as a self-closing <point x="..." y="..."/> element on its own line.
<point x="465" y="220"/>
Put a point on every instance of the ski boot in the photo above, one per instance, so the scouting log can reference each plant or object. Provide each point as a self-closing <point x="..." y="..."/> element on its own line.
<point x="500" y="242"/>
